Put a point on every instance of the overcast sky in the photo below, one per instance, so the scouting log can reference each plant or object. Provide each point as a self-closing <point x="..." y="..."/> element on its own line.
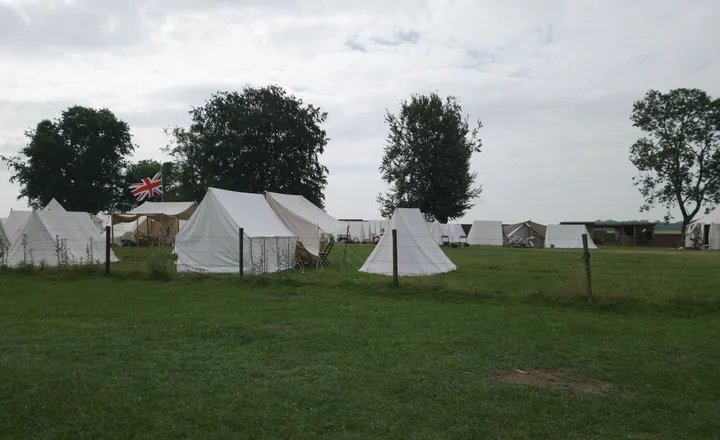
<point x="552" y="81"/>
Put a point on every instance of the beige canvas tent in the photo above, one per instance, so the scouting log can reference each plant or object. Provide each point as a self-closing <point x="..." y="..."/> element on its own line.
<point x="526" y="229"/>
<point x="152" y="222"/>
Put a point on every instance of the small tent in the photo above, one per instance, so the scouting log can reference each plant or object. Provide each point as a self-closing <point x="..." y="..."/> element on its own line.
<point x="567" y="237"/>
<point x="453" y="232"/>
<point x="525" y="230"/>
<point x="378" y="227"/>
<point x="486" y="233"/>
<point x="438" y="231"/>
<point x="14" y="225"/>
<point x="704" y="232"/>
<point x="456" y="233"/>
<point x="54" y="205"/>
<point x="55" y="237"/>
<point x="355" y="229"/>
<point x="307" y="221"/>
<point x="418" y="252"/>
<point x="210" y="241"/>
<point x="4" y="241"/>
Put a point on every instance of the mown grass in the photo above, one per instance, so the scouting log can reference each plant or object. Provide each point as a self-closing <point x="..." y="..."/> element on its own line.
<point x="337" y="354"/>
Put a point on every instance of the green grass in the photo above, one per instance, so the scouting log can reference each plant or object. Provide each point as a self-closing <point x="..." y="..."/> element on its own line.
<point x="336" y="354"/>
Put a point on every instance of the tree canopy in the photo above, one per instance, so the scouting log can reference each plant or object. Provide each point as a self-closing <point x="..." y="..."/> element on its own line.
<point x="427" y="158"/>
<point x="260" y="139"/>
<point x="679" y="156"/>
<point x="78" y="159"/>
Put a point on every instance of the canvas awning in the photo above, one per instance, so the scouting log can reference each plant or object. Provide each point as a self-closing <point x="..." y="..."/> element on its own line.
<point x="158" y="211"/>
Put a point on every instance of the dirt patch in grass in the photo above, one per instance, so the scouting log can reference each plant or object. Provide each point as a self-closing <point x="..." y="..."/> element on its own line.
<point x="558" y="378"/>
<point x="281" y="326"/>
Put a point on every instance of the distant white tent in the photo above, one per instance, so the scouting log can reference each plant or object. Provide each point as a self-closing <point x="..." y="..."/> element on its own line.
<point x="54" y="205"/>
<point x="14" y="225"/>
<point x="486" y="233"/>
<point x="4" y="242"/>
<point x="438" y="231"/>
<point x="356" y="229"/>
<point x="378" y="227"/>
<point x="418" y="252"/>
<point x="210" y="241"/>
<point x="54" y="237"/>
<point x="456" y="233"/>
<point x="567" y="237"/>
<point x="303" y="219"/>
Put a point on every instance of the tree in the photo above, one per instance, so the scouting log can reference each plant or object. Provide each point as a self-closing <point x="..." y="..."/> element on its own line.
<point x="679" y="159"/>
<point x="261" y="139"/>
<point x="78" y="159"/>
<point x="148" y="168"/>
<point x="427" y="158"/>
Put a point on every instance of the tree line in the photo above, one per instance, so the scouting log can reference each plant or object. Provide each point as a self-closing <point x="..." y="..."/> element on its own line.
<point x="262" y="138"/>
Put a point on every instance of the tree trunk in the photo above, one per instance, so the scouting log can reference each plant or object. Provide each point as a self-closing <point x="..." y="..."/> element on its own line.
<point x="685" y="223"/>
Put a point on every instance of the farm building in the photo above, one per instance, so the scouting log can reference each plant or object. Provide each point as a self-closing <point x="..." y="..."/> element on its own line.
<point x="634" y="233"/>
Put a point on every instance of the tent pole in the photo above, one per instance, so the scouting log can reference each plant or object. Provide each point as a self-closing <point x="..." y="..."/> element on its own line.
<point x="347" y="234"/>
<point x="137" y="240"/>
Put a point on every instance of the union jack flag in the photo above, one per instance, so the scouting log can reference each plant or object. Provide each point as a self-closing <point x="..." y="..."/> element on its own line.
<point x="148" y="187"/>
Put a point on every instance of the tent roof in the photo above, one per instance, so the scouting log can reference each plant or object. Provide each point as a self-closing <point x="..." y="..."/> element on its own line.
<point x="250" y="212"/>
<point x="418" y="253"/>
<point x="53" y="205"/>
<point x="305" y="209"/>
<point x="15" y="224"/>
<point x="157" y="210"/>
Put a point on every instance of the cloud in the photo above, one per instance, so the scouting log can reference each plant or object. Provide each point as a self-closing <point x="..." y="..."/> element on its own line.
<point x="552" y="80"/>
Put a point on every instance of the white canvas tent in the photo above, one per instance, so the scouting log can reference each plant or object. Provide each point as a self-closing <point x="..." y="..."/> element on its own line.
<point x="486" y="233"/>
<point x="4" y="242"/>
<point x="438" y="231"/>
<point x="705" y="232"/>
<point x="357" y="231"/>
<point x="378" y="227"/>
<point x="209" y="242"/>
<point x="418" y="253"/>
<point x="14" y="225"/>
<point x="56" y="237"/>
<point x="308" y="222"/>
<point x="567" y="237"/>
<point x="54" y="205"/>
<point x="456" y="233"/>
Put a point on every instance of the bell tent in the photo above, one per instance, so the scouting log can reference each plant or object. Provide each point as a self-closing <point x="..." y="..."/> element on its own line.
<point x="486" y="233"/>
<point x="418" y="252"/>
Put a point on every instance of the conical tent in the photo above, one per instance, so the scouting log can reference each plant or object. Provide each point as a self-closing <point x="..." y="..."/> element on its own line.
<point x="54" y="205"/>
<point x="567" y="237"/>
<point x="210" y="241"/>
<point x="56" y="237"/>
<point x="486" y="233"/>
<point x="418" y="253"/>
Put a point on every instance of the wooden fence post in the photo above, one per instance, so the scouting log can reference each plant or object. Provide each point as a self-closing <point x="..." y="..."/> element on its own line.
<point x="107" y="250"/>
<point x="586" y="257"/>
<point x="241" y="250"/>
<point x="396" y="282"/>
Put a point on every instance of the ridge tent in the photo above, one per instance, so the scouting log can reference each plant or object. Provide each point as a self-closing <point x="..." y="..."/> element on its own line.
<point x="456" y="232"/>
<point x="486" y="233"/>
<point x="210" y="241"/>
<point x="567" y="237"/>
<point x="356" y="230"/>
<point x="305" y="220"/>
<point x="4" y="241"/>
<point x="14" y="225"/>
<point x="53" y="205"/>
<point x="157" y="220"/>
<point x="58" y="234"/>
<point x="525" y="230"/>
<point x="378" y="227"/>
<point x="418" y="253"/>
<point x="437" y="231"/>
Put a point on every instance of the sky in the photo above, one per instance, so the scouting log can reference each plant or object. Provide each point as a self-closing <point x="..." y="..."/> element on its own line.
<point x="553" y="81"/>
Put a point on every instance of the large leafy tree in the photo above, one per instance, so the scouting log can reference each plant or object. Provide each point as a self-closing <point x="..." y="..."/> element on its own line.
<point x="427" y="158"/>
<point x="679" y="156"/>
<point x="256" y="140"/>
<point x="78" y="159"/>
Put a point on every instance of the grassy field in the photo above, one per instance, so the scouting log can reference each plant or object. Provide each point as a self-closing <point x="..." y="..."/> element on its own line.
<point x="336" y="354"/>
